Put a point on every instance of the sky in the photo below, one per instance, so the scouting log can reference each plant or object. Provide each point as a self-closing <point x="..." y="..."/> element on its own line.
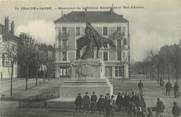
<point x="157" y="23"/>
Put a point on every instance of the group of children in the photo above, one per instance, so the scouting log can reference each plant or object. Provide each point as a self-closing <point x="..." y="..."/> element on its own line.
<point x="131" y="102"/>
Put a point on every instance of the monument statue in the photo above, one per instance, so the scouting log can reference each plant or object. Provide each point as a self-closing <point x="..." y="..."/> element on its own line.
<point x="90" y="40"/>
<point x="87" y="74"/>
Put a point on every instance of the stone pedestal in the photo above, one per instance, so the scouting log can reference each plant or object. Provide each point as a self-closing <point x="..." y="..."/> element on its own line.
<point x="87" y="69"/>
<point x="86" y="76"/>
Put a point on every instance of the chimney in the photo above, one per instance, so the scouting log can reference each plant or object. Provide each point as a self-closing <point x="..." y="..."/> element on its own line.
<point x="85" y="12"/>
<point x="111" y="10"/>
<point x="6" y="25"/>
<point x="12" y="27"/>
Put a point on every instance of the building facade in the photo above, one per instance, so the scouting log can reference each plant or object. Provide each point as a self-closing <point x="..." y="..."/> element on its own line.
<point x="70" y="27"/>
<point x="8" y="42"/>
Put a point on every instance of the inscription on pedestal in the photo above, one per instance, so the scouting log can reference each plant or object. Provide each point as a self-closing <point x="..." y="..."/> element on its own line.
<point x="82" y="69"/>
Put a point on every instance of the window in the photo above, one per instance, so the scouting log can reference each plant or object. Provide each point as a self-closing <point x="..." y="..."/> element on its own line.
<point x="64" y="54"/>
<point x="125" y="42"/>
<point x="59" y="43"/>
<point x="59" y="56"/>
<point x="64" y="44"/>
<point x="59" y="33"/>
<point x="105" y="45"/>
<point x="105" y="56"/>
<point x="108" y="71"/>
<point x="119" y="28"/>
<point x="119" y="49"/>
<point x="64" y="30"/>
<point x="119" y="71"/>
<point x="123" y="31"/>
<point x="59" y="30"/>
<point x="5" y="60"/>
<point x="104" y="30"/>
<point x="64" y="72"/>
<point x="77" y="31"/>
<point x="123" y="56"/>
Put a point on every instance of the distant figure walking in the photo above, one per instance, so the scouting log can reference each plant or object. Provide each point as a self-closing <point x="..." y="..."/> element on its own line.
<point x="176" y="90"/>
<point x="168" y="87"/>
<point x="119" y="101"/>
<point x="140" y="87"/>
<point x="160" y="107"/>
<point x="86" y="102"/>
<point x="93" y="102"/>
<point x="78" y="102"/>
<point x="176" y="110"/>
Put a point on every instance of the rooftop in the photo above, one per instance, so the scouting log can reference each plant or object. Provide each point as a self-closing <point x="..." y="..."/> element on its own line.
<point x="91" y="16"/>
<point x="8" y="36"/>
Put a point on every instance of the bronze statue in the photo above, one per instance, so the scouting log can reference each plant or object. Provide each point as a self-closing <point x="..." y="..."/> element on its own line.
<point x="90" y="40"/>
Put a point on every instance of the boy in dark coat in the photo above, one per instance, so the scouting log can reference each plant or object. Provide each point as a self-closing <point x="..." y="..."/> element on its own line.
<point x="160" y="107"/>
<point x="78" y="102"/>
<point x="86" y="102"/>
<point x="119" y="101"/>
<point x="140" y="87"/>
<point x="108" y="108"/>
<point x="176" y="90"/>
<point x="168" y="87"/>
<point x="100" y="104"/>
<point x="93" y="102"/>
<point x="176" y="110"/>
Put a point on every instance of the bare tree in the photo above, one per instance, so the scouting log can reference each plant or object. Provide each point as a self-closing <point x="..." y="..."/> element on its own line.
<point x="176" y="56"/>
<point x="27" y="54"/>
<point x="11" y="52"/>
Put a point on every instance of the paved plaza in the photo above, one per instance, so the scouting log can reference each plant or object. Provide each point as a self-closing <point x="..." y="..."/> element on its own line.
<point x="152" y="90"/>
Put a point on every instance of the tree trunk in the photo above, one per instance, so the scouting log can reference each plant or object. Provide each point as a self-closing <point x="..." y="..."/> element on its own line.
<point x="168" y="72"/>
<point x="11" y="82"/>
<point x="27" y="76"/>
<point x="158" y="73"/>
<point x="1" y="76"/>
<point x="176" y="74"/>
<point x="37" y="78"/>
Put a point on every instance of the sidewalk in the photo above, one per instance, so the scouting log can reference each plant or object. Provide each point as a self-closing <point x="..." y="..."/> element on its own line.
<point x="19" y="93"/>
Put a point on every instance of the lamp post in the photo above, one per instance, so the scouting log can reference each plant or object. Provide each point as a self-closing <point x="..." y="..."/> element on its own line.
<point x="37" y="59"/>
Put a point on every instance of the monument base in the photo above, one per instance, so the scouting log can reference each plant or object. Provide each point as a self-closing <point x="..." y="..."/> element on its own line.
<point x="86" y="76"/>
<point x="69" y="89"/>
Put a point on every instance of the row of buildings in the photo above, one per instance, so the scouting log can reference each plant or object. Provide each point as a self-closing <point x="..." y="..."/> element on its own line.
<point x="10" y="46"/>
<point x="70" y="27"/>
<point x="7" y="40"/>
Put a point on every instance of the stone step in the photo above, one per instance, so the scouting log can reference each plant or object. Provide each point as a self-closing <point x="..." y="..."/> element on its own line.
<point x="89" y="114"/>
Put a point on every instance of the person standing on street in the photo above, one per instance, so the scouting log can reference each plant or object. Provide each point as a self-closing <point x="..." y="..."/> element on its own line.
<point x="176" y="110"/>
<point x="78" y="102"/>
<point x="168" y="87"/>
<point x="100" y="104"/>
<point x="119" y="101"/>
<point x="112" y="101"/>
<point x="140" y="87"/>
<point x="86" y="102"/>
<point x="160" y="107"/>
<point x="93" y="102"/>
<point x="176" y="90"/>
